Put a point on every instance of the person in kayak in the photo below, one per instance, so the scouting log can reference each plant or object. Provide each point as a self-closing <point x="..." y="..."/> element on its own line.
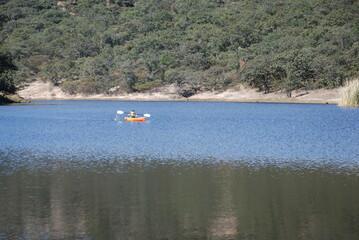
<point x="132" y="114"/>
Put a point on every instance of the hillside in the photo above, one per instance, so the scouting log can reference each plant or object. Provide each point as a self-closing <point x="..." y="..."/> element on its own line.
<point x="126" y="46"/>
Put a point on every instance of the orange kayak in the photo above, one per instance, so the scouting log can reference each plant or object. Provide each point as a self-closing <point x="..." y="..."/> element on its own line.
<point x="137" y="119"/>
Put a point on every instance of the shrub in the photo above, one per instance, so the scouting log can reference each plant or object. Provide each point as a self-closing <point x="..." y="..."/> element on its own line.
<point x="89" y="87"/>
<point x="84" y="86"/>
<point x="146" y="86"/>
<point x="70" y="87"/>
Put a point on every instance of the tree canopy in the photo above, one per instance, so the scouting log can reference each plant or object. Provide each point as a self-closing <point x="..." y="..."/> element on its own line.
<point x="6" y="70"/>
<point x="94" y="46"/>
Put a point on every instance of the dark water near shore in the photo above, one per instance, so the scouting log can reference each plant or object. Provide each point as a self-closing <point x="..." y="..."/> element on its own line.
<point x="193" y="171"/>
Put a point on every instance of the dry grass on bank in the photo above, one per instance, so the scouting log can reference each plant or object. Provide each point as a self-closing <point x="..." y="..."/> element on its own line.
<point x="349" y="96"/>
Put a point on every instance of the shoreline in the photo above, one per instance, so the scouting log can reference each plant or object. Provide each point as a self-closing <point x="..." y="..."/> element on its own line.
<point x="289" y="101"/>
<point x="39" y="90"/>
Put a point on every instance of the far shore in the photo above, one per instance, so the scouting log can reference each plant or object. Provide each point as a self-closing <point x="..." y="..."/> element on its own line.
<point x="149" y="99"/>
<point x="39" y="90"/>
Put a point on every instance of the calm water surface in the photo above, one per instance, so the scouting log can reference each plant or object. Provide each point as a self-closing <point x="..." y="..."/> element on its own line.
<point x="193" y="171"/>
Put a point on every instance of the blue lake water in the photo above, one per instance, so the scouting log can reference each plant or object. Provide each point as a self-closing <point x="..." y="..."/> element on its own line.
<point x="183" y="129"/>
<point x="194" y="170"/>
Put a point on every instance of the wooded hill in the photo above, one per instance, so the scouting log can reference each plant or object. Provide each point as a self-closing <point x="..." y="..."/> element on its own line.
<point x="93" y="46"/>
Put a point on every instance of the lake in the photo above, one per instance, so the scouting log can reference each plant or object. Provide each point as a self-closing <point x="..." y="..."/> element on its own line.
<point x="194" y="170"/>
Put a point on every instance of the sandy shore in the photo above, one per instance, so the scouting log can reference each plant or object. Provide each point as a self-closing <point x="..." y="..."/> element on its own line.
<point x="45" y="90"/>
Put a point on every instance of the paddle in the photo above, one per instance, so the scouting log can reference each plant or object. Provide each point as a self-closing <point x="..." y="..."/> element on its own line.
<point x="145" y="115"/>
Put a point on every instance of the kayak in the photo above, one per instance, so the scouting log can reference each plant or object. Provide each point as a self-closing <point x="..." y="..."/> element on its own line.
<point x="137" y="119"/>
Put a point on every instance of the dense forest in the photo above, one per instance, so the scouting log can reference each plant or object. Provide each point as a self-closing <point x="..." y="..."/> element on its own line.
<point x="112" y="46"/>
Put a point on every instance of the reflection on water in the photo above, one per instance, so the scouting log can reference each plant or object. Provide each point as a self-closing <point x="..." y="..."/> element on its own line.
<point x="176" y="199"/>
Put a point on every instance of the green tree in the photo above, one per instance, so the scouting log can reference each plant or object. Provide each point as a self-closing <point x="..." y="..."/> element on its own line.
<point x="59" y="71"/>
<point x="127" y="81"/>
<point x="300" y="72"/>
<point x="6" y="69"/>
<point x="263" y="72"/>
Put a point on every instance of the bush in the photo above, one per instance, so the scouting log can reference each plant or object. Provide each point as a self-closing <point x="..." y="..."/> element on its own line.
<point x="84" y="86"/>
<point x="188" y="82"/>
<point x="89" y="87"/>
<point x="146" y="86"/>
<point x="70" y="87"/>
